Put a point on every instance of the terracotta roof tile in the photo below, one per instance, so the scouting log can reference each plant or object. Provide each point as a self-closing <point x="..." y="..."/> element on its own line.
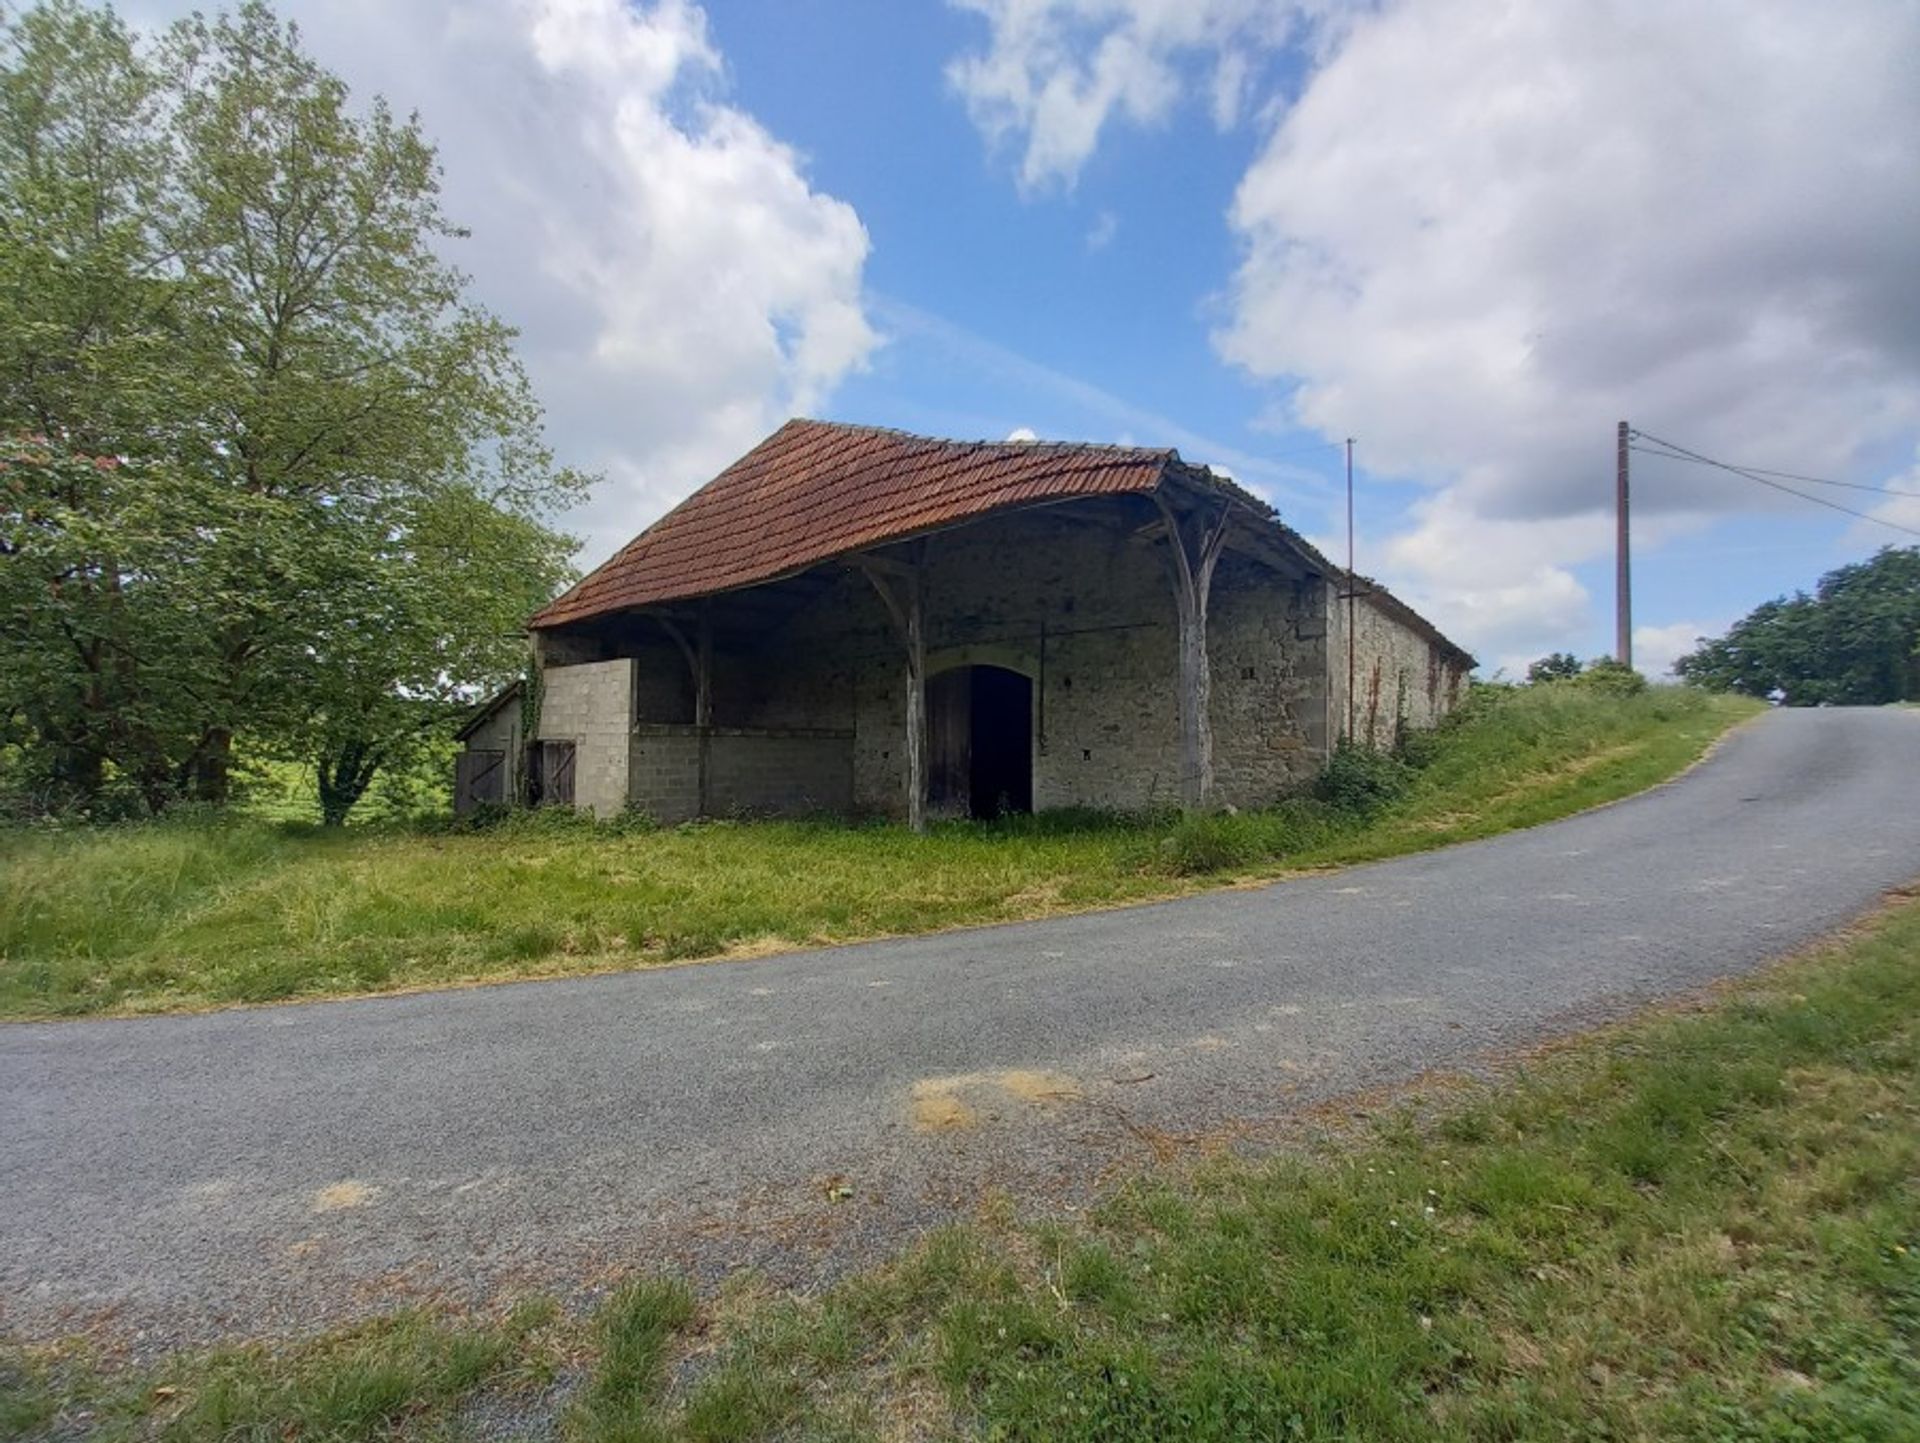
<point x="815" y="490"/>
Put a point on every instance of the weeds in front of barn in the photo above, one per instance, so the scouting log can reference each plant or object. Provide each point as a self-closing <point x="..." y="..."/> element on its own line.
<point x="219" y="909"/>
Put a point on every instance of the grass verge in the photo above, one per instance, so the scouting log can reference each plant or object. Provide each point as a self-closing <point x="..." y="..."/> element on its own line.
<point x="1701" y="1225"/>
<point x="222" y="910"/>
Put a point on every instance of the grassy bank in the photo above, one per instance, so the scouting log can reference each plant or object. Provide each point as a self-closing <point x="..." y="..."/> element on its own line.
<point x="1703" y="1225"/>
<point x="215" y="911"/>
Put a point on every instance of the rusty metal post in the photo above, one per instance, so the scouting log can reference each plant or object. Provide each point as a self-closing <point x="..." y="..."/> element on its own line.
<point x="1622" y="561"/>
<point x="1353" y="596"/>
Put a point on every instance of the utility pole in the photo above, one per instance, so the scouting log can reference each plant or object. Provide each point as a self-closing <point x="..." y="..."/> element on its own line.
<point x="1353" y="592"/>
<point x="1622" y="559"/>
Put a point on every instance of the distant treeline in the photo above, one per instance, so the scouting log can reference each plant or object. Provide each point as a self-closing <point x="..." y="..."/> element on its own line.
<point x="1854" y="641"/>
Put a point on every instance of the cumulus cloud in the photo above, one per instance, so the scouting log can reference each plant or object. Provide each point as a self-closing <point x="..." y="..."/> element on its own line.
<point x="1902" y="507"/>
<point x="1657" y="648"/>
<point x="680" y="285"/>
<point x="1485" y="231"/>
<point x="1053" y="73"/>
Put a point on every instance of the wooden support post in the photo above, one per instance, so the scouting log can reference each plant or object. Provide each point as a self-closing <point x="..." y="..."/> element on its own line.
<point x="699" y="658"/>
<point x="703" y="705"/>
<point x="899" y="588"/>
<point x="1193" y="550"/>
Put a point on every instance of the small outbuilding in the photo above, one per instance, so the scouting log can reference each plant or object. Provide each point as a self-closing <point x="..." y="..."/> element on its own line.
<point x="857" y="620"/>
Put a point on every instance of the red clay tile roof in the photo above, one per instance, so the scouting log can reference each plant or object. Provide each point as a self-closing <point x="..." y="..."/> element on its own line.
<point x="815" y="490"/>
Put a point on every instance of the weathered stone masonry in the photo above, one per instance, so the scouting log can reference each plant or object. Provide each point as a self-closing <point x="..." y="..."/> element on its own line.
<point x="1402" y="681"/>
<point x="817" y="708"/>
<point x="1071" y="625"/>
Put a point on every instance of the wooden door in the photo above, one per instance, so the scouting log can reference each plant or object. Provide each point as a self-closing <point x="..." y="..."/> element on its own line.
<point x="949" y="741"/>
<point x="479" y="780"/>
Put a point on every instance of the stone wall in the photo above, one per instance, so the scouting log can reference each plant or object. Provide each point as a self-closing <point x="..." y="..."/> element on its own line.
<point x="1403" y="680"/>
<point x="1266" y="650"/>
<point x="810" y="714"/>
<point x="591" y="705"/>
<point x="1086" y="611"/>
<point x="662" y="682"/>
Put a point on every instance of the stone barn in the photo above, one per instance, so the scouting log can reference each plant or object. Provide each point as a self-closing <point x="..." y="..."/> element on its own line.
<point x="856" y="620"/>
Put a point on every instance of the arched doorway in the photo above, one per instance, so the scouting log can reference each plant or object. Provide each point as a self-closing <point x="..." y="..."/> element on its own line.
<point x="979" y="742"/>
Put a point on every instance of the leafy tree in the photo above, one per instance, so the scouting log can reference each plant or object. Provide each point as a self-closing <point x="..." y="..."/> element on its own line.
<point x="1555" y="666"/>
<point x="1852" y="642"/>
<point x="398" y="650"/>
<point x="255" y="415"/>
<point x="123" y="581"/>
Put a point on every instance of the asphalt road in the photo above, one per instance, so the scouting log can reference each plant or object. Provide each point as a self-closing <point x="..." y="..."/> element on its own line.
<point x="175" y="1179"/>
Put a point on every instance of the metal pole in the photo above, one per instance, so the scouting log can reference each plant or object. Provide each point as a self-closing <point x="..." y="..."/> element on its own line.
<point x="1353" y="593"/>
<point x="1623" y="563"/>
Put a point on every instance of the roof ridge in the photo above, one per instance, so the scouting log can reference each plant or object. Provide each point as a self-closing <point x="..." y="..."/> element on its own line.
<point x="896" y="433"/>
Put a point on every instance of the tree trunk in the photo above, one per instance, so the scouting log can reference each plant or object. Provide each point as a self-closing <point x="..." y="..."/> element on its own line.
<point x="210" y="779"/>
<point x="343" y="780"/>
<point x="78" y="774"/>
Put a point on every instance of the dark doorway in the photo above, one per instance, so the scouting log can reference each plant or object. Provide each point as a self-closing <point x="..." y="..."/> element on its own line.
<point x="1002" y="766"/>
<point x="980" y="742"/>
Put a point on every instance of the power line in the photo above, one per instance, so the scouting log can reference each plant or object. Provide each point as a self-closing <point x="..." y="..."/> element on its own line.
<point x="1302" y="451"/>
<point x="1767" y="471"/>
<point x="1681" y="453"/>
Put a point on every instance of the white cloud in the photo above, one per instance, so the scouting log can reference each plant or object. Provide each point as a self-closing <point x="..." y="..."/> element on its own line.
<point x="680" y="285"/>
<point x="1486" y="232"/>
<point x="1656" y="648"/>
<point x="1100" y="234"/>
<point x="1902" y="508"/>
<point x="1055" y="72"/>
<point x="1023" y="433"/>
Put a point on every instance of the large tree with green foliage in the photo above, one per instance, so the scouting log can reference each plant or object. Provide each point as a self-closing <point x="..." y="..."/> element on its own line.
<point x="1854" y="641"/>
<point x="272" y="473"/>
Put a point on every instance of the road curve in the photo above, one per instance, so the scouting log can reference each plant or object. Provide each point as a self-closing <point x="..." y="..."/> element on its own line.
<point x="178" y="1179"/>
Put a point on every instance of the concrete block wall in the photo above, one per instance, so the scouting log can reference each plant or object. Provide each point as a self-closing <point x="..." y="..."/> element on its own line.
<point x="664" y="771"/>
<point x="750" y="772"/>
<point x="591" y="705"/>
<point x="784" y="772"/>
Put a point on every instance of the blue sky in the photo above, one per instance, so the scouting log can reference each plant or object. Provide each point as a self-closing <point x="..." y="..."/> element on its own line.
<point x="1472" y="234"/>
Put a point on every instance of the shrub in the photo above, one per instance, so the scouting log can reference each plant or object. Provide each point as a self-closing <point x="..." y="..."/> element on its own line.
<point x="1212" y="842"/>
<point x="1361" y="781"/>
<point x="1615" y="678"/>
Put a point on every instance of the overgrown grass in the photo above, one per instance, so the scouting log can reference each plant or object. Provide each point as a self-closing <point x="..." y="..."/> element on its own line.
<point x="1702" y="1225"/>
<point x="407" y="1374"/>
<point x="220" y="910"/>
